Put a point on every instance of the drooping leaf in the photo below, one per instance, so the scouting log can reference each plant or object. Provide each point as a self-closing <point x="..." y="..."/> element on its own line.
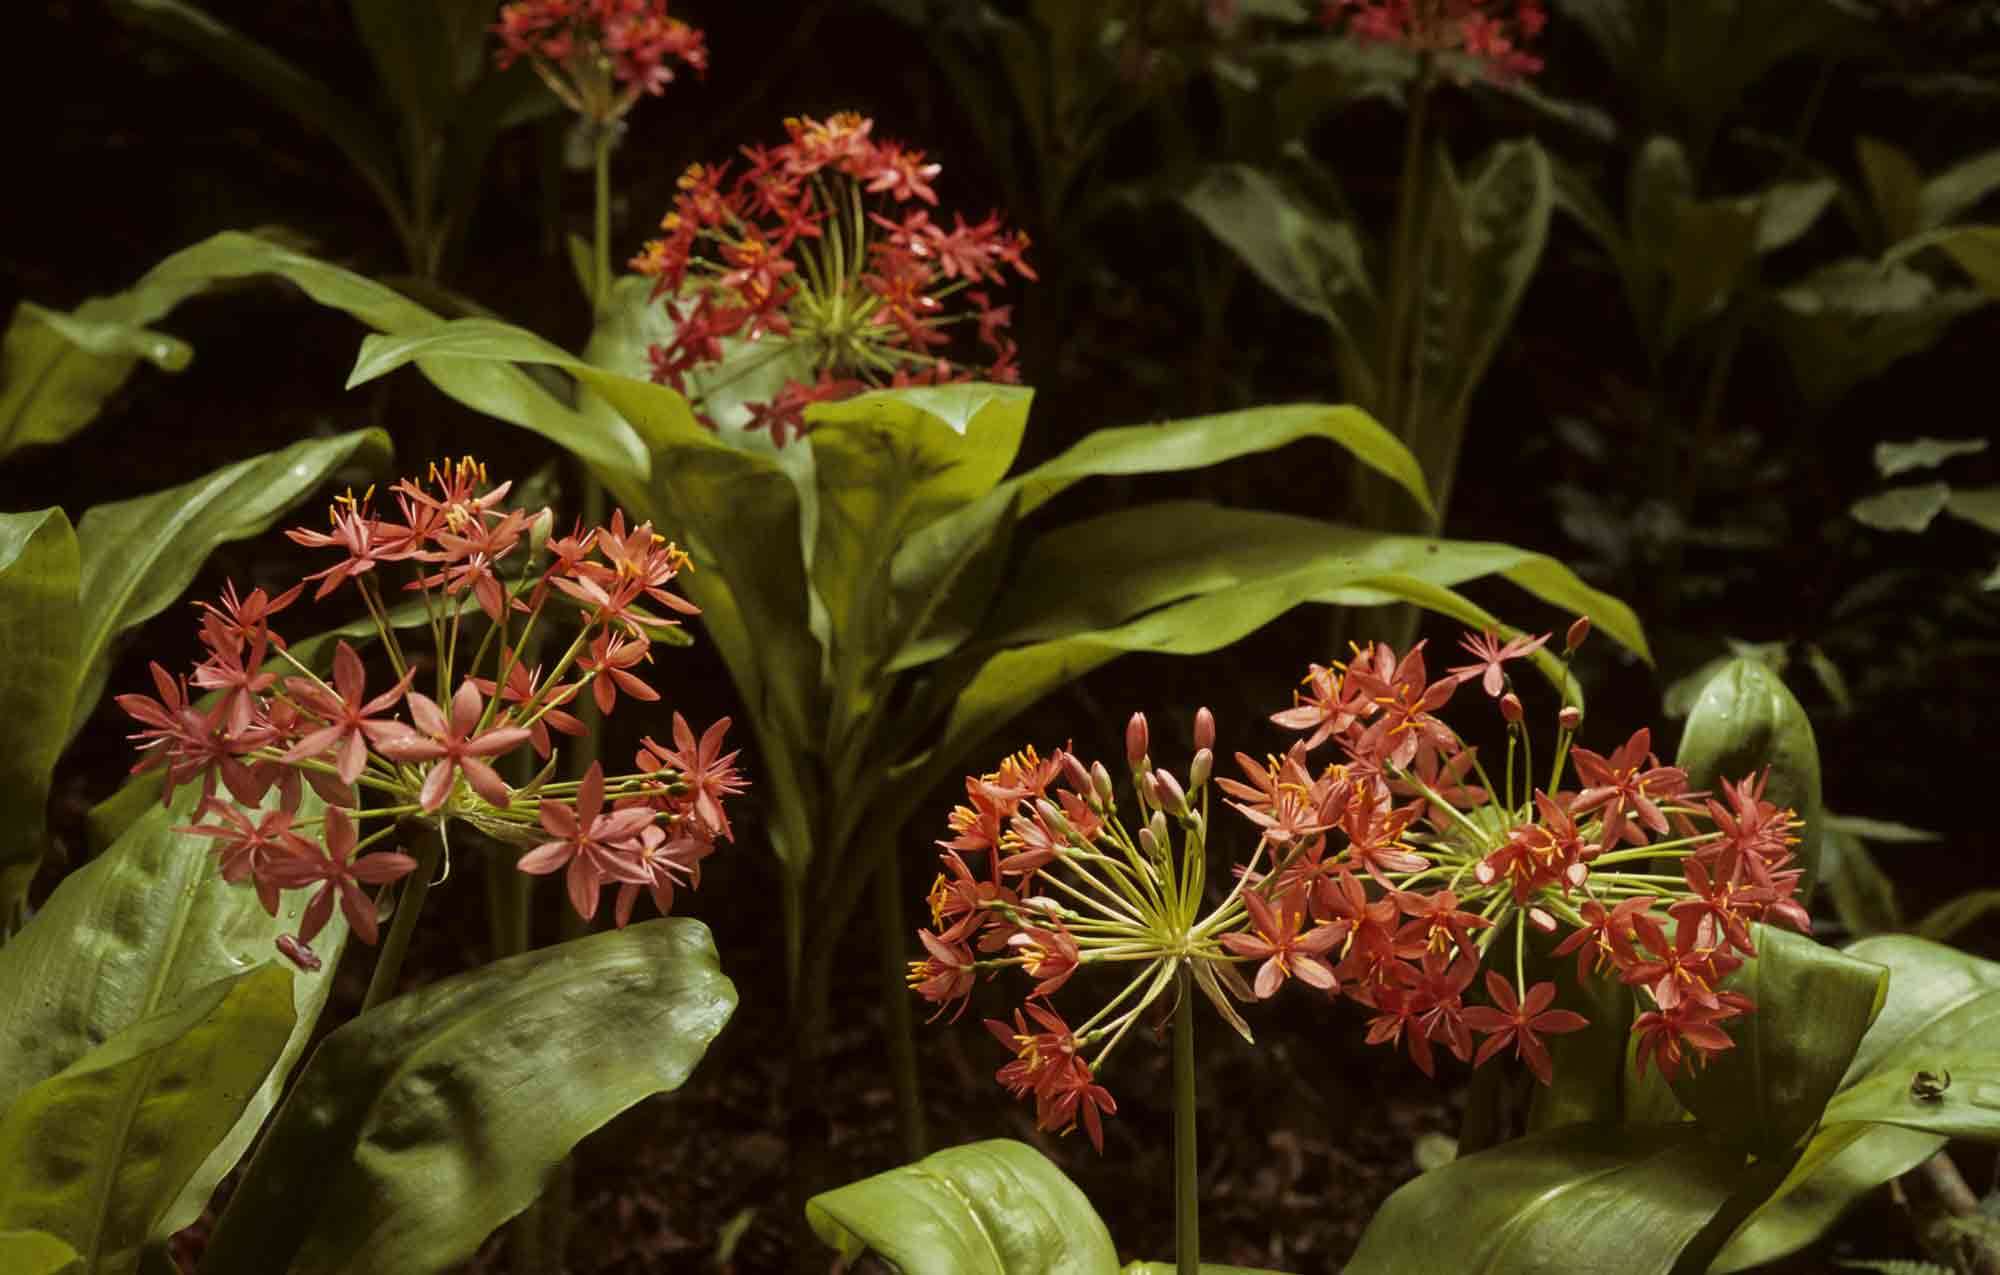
<point x="1585" y="1197"/>
<point x="1976" y="249"/>
<point x="424" y="1124"/>
<point x="987" y="1208"/>
<point x="281" y="83"/>
<point x="1944" y="922"/>
<point x="39" y="623"/>
<point x="138" y="555"/>
<point x="57" y="370"/>
<point x="1892" y="459"/>
<point x="1959" y="189"/>
<point x="1864" y="898"/>
<point x="1851" y="320"/>
<point x="1747" y="720"/>
<point x="1814" y="1004"/>
<point x="98" y="1153"/>
<point x="1977" y="505"/>
<point x="1909" y="508"/>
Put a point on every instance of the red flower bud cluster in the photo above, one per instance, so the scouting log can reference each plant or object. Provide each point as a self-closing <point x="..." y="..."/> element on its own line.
<point x="600" y="56"/>
<point x="1490" y="31"/>
<point x="822" y="251"/>
<point x="271" y="722"/>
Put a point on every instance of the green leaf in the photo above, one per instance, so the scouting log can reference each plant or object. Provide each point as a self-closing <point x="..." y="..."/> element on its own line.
<point x="1959" y="189"/>
<point x="1814" y="1004"/>
<point x="57" y="370"/>
<point x="1896" y="186"/>
<point x="98" y="1153"/>
<point x="1581" y="1198"/>
<point x="1943" y="1006"/>
<point x="1864" y="898"/>
<point x="1851" y="320"/>
<point x="1947" y="919"/>
<point x="1207" y="1268"/>
<point x="1745" y="720"/>
<point x="1589" y="1065"/>
<point x="1976" y="249"/>
<point x="1910" y="508"/>
<point x="1977" y="505"/>
<point x="1959" y="1100"/>
<point x="1922" y="453"/>
<point x="1314" y="262"/>
<point x="427" y="1122"/>
<point x="139" y="555"/>
<point x="281" y="83"/>
<point x="125" y="934"/>
<point x="987" y="1208"/>
<point x="35" y="1253"/>
<point x="1787" y="210"/>
<point x="39" y="623"/>
<point x="1488" y="232"/>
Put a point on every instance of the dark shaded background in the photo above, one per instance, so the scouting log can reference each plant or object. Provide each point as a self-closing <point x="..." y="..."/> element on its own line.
<point x="125" y="150"/>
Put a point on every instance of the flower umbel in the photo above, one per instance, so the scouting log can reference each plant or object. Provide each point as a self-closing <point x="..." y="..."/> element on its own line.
<point x="600" y="56"/>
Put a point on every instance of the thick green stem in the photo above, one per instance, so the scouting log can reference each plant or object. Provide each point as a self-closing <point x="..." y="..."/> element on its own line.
<point x="1187" y="1186"/>
<point x="1401" y="287"/>
<point x="409" y="904"/>
<point x="897" y="1021"/>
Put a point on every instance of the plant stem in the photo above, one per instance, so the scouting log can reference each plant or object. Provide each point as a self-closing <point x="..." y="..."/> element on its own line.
<point x="389" y="965"/>
<point x="1399" y="285"/>
<point x="600" y="299"/>
<point x="1187" y="1189"/>
<point x="897" y="1021"/>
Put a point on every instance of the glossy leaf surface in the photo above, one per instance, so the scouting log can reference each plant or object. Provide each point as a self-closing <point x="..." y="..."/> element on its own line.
<point x="1582" y="1198"/>
<point x="987" y="1208"/>
<point x="98" y="1153"/>
<point x="424" y="1124"/>
<point x="1744" y="720"/>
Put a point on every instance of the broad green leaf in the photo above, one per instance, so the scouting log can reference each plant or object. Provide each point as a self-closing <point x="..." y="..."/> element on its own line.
<point x="138" y="555"/>
<point x="1787" y="210"/>
<point x="1588" y="1085"/>
<point x="1714" y="243"/>
<point x="98" y="1153"/>
<point x="1746" y="720"/>
<point x="1878" y="829"/>
<point x="1949" y="1099"/>
<point x="36" y="1253"/>
<point x="1976" y="249"/>
<point x="1892" y="459"/>
<point x="1814" y="1004"/>
<point x="57" y="370"/>
<point x="1207" y="1268"/>
<point x="1909" y="508"/>
<point x="1864" y="898"/>
<point x="1851" y="320"/>
<point x="282" y="84"/>
<point x="1977" y="505"/>
<point x="1947" y="919"/>
<point x="1315" y="262"/>
<point x="425" y="1123"/>
<point x="126" y="934"/>
<point x="1581" y="1198"/>
<point x="1959" y="189"/>
<point x="1201" y="441"/>
<point x="39" y="624"/>
<point x="987" y="1208"/>
<point x="1256" y="566"/>
<point x="1943" y="1005"/>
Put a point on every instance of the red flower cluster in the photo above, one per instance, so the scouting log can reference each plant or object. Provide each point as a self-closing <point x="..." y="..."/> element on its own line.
<point x="599" y="56"/>
<point x="1484" y="30"/>
<point x="261" y="730"/>
<point x="1389" y="878"/>
<point x="823" y="249"/>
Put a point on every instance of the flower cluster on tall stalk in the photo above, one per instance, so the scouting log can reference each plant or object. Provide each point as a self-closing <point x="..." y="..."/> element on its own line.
<point x="408" y="762"/>
<point x="1396" y="876"/>
<point x="822" y="248"/>
<point x="1492" y="32"/>
<point x="600" y="56"/>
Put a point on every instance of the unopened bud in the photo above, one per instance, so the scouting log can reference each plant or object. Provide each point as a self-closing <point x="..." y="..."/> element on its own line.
<point x="1073" y="770"/>
<point x="1570" y="718"/>
<point x="294" y="949"/>
<point x="1577" y="874"/>
<point x="1157" y="825"/>
<point x="1053" y="817"/>
<point x="1149" y="790"/>
<point x="1149" y="843"/>
<point x="1204" y="728"/>
<point x="1137" y="741"/>
<point x="1171" y="796"/>
<point x="1201" y="768"/>
<point x="1510" y="708"/>
<point x="1541" y="920"/>
<point x="1100" y="782"/>
<point x="1577" y="633"/>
